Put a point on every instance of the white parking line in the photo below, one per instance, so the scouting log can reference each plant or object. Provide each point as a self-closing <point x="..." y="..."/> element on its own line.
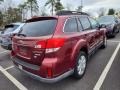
<point x="12" y="79"/>
<point x="106" y="70"/>
<point x="9" y="67"/>
<point x="114" y="41"/>
<point x="3" y="52"/>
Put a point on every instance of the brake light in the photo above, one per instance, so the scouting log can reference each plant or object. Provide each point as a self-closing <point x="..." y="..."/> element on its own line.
<point x="55" y="43"/>
<point x="49" y="73"/>
<point x="51" y="44"/>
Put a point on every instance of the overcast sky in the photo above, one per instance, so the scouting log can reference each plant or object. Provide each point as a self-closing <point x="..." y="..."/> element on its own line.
<point x="89" y="5"/>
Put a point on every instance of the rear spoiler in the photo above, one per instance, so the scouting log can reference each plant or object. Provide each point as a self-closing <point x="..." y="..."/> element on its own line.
<point x="7" y="26"/>
<point x="40" y="18"/>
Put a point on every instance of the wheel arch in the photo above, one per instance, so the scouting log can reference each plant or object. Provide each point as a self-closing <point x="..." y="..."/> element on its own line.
<point x="80" y="46"/>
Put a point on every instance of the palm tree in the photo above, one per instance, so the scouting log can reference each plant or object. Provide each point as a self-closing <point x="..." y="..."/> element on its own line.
<point x="52" y="4"/>
<point x="58" y="6"/>
<point x="33" y="6"/>
<point x="22" y="8"/>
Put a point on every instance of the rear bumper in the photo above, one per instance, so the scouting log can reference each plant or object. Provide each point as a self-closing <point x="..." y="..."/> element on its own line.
<point x="46" y="80"/>
<point x="34" y="67"/>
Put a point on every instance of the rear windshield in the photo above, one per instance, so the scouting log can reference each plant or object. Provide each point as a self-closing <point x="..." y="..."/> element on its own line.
<point x="39" y="28"/>
<point x="10" y="28"/>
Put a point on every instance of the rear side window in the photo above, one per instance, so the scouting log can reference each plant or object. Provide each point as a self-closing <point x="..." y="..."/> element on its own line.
<point x="85" y="23"/>
<point x="94" y="23"/>
<point x="39" y="28"/>
<point x="71" y="25"/>
<point x="79" y="25"/>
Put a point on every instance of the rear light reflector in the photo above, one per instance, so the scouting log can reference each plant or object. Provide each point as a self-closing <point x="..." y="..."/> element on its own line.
<point x="49" y="73"/>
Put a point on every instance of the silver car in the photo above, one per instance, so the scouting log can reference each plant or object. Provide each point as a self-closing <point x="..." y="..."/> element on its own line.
<point x="7" y="34"/>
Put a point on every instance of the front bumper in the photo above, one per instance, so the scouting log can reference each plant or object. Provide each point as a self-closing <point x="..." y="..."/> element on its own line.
<point x="46" y="80"/>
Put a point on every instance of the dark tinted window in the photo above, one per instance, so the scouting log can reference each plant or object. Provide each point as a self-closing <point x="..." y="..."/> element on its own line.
<point x="10" y="28"/>
<point x="85" y="23"/>
<point x="71" y="25"/>
<point x="94" y="23"/>
<point x="39" y="28"/>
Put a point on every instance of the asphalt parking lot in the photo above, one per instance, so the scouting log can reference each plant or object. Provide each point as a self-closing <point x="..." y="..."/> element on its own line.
<point x="106" y="62"/>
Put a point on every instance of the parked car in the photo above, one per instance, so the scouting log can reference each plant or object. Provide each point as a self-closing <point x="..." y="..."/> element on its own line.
<point x="7" y="34"/>
<point x="52" y="48"/>
<point x="112" y="24"/>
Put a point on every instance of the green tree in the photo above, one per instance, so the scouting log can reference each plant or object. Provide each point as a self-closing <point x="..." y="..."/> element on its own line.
<point x="1" y="18"/>
<point x="58" y="6"/>
<point x="33" y="6"/>
<point x="111" y="12"/>
<point x="12" y="15"/>
<point x="51" y="3"/>
<point x="23" y="9"/>
<point x="43" y="13"/>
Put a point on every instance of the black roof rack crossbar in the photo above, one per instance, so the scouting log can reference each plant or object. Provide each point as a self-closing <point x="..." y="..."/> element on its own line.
<point x="65" y="12"/>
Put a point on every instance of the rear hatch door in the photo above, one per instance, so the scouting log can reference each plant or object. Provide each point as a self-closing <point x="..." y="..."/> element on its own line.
<point x="30" y="43"/>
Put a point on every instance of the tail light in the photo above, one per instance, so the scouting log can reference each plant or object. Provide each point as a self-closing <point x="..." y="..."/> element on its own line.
<point x="51" y="45"/>
<point x="49" y="73"/>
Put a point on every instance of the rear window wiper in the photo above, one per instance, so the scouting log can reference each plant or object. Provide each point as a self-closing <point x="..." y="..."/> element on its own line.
<point x="19" y="34"/>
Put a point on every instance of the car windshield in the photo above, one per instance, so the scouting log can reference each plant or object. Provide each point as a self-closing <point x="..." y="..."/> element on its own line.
<point x="39" y="28"/>
<point x="10" y="28"/>
<point x="106" y="20"/>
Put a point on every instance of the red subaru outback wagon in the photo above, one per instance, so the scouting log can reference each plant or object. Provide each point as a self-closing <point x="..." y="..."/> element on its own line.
<point x="52" y="48"/>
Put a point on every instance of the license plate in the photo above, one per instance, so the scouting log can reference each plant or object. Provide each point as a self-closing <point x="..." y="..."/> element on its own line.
<point x="20" y="67"/>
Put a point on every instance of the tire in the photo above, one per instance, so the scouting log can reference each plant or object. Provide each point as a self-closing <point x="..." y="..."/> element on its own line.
<point x="113" y="34"/>
<point x="115" y="31"/>
<point x="81" y="64"/>
<point x="118" y="31"/>
<point x="104" y="45"/>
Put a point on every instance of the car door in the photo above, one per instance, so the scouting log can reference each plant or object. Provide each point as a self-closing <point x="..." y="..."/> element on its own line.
<point x="98" y="33"/>
<point x="89" y="33"/>
<point x="70" y="33"/>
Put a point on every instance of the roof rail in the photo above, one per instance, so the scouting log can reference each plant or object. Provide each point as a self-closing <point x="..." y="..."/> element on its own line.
<point x="65" y="12"/>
